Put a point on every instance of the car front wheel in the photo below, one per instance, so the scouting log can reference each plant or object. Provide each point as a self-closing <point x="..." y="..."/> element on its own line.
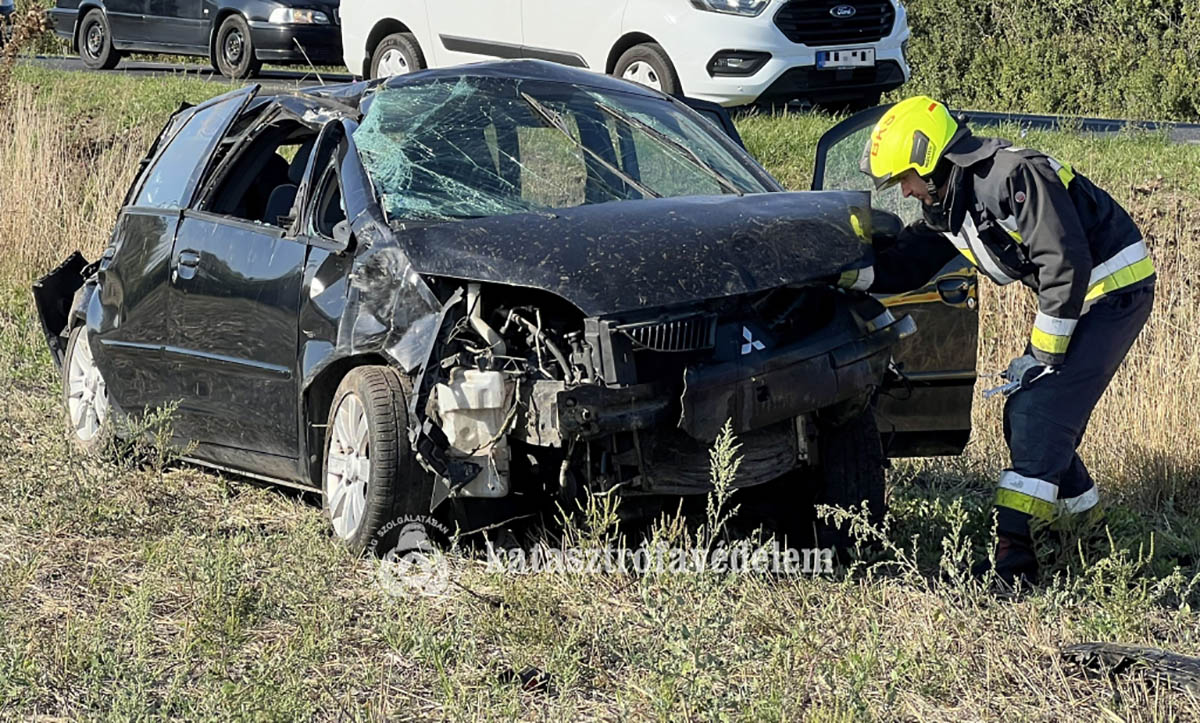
<point x="85" y="394"/>
<point x="397" y="54"/>
<point x="95" y="42"/>
<point x="370" y="476"/>
<point x="851" y="462"/>
<point x="649" y="65"/>
<point x="235" y="49"/>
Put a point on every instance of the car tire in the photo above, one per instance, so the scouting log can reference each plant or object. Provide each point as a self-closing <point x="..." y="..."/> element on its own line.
<point x="370" y="477"/>
<point x="95" y="42"/>
<point x="850" y="472"/>
<point x="397" y="54"/>
<point x="85" y="395"/>
<point x="649" y="65"/>
<point x="234" y="49"/>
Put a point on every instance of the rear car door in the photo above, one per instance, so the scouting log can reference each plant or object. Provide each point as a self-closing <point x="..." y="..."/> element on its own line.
<point x="929" y="412"/>
<point x="133" y="275"/>
<point x="178" y="23"/>
<point x="470" y="30"/>
<point x="236" y="274"/>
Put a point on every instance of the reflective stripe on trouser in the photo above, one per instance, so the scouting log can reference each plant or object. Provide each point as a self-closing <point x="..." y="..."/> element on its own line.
<point x="1044" y="424"/>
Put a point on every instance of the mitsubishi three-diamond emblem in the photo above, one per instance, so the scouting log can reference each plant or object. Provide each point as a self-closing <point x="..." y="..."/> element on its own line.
<point x="751" y="344"/>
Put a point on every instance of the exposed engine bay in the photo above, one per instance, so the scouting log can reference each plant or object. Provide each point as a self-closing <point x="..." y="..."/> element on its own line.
<point x="634" y="403"/>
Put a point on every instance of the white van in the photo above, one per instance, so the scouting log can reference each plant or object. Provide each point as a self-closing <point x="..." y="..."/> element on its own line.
<point x="732" y="52"/>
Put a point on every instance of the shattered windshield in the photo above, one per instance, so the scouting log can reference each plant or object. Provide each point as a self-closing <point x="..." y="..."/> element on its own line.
<point x="474" y="146"/>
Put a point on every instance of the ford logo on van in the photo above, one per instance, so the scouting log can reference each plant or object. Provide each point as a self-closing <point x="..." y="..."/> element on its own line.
<point x="843" y="11"/>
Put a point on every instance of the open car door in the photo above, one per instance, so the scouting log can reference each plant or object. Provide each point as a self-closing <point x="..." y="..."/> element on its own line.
<point x="929" y="413"/>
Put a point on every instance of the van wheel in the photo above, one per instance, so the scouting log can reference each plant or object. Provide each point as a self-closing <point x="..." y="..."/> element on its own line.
<point x="235" y="49"/>
<point x="95" y="42"/>
<point x="85" y="395"/>
<point x="370" y="476"/>
<point x="397" y="54"/>
<point x="649" y="65"/>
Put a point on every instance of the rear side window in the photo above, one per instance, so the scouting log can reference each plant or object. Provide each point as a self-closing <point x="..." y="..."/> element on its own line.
<point x="173" y="175"/>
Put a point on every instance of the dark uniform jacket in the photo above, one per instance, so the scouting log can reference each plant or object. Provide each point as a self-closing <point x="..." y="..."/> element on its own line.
<point x="1020" y="215"/>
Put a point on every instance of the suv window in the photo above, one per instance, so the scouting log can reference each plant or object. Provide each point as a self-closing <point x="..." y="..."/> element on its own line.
<point x="173" y="175"/>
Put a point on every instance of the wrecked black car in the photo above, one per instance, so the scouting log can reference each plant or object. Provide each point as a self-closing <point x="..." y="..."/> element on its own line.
<point x="457" y="288"/>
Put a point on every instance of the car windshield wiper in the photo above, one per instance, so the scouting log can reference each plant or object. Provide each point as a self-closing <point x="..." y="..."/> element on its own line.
<point x="670" y="142"/>
<point x="556" y="121"/>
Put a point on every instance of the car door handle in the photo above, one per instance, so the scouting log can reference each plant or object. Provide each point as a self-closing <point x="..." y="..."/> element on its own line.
<point x="956" y="292"/>
<point x="185" y="265"/>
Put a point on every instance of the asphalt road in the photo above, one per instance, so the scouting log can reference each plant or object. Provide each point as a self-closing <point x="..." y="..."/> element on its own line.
<point x="269" y="79"/>
<point x="275" y="80"/>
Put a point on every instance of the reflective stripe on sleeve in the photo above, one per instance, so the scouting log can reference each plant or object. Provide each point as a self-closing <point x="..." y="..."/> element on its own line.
<point x="1009" y="224"/>
<point x="857" y="279"/>
<point x="1052" y="335"/>
<point x="1065" y="174"/>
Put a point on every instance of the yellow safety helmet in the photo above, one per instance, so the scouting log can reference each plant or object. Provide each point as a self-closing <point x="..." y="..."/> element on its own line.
<point x="913" y="134"/>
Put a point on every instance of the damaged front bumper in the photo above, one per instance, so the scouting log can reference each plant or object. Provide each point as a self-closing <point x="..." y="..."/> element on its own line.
<point x="752" y="393"/>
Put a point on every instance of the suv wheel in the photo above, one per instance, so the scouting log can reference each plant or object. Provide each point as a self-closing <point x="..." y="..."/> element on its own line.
<point x="397" y="54"/>
<point x="85" y="395"/>
<point x="649" y="65"/>
<point x="95" y="42"/>
<point x="370" y="476"/>
<point x="235" y="49"/>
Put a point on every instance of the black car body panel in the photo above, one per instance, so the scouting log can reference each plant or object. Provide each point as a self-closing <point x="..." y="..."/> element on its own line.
<point x="188" y="27"/>
<point x="242" y="282"/>
<point x="670" y="251"/>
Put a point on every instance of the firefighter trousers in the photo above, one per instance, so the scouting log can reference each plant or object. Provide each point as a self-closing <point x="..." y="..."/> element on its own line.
<point x="1044" y="424"/>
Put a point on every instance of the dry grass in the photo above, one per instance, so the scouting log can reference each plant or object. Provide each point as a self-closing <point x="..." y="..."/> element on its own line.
<point x="149" y="591"/>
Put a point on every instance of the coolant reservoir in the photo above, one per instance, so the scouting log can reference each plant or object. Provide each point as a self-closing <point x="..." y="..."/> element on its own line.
<point x="473" y="405"/>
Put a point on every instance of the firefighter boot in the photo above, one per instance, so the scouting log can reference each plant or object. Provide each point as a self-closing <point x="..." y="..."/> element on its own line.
<point x="1015" y="562"/>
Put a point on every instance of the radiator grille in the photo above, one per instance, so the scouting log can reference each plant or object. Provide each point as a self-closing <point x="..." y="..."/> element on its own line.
<point x="687" y="334"/>
<point x="812" y="22"/>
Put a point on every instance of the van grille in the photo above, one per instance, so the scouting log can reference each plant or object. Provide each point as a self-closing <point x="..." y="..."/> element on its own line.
<point x="812" y="22"/>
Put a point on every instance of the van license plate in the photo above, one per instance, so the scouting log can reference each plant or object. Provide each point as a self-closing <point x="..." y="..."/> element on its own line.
<point x="858" y="58"/>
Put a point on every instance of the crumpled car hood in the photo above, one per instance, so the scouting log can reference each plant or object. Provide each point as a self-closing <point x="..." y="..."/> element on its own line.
<point x="621" y="256"/>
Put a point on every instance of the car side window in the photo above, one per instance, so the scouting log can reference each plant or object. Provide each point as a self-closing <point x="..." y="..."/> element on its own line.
<point x="261" y="178"/>
<point x="173" y="176"/>
<point x="327" y="207"/>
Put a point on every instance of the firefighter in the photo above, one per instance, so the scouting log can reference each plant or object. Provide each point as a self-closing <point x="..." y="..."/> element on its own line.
<point x="1019" y="215"/>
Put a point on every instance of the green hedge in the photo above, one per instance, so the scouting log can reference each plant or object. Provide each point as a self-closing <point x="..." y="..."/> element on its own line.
<point x="1120" y="58"/>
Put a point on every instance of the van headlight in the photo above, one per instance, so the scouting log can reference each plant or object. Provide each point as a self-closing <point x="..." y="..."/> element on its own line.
<point x="296" y="16"/>
<point x="747" y="8"/>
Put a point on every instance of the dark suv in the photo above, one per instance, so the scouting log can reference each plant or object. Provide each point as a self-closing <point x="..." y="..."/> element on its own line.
<point x="237" y="36"/>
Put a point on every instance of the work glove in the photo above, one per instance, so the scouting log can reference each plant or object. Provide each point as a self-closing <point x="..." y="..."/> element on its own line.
<point x="1025" y="370"/>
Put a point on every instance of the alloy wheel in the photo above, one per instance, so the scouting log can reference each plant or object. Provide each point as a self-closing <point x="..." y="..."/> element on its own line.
<point x="349" y="467"/>
<point x="87" y="394"/>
